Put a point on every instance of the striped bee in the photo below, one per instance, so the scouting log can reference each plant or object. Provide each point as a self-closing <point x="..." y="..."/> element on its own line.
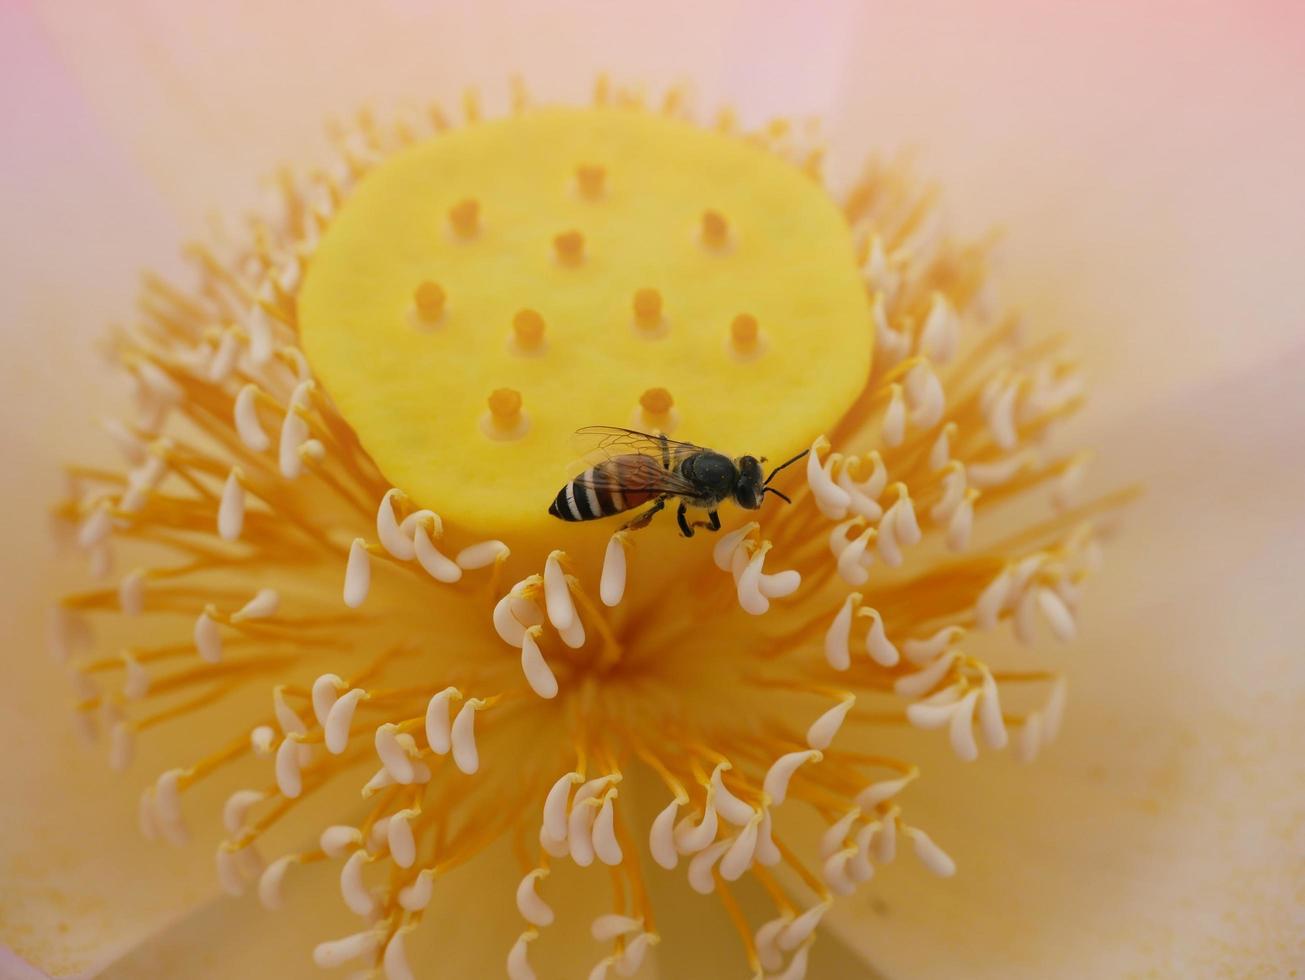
<point x="636" y="467"/>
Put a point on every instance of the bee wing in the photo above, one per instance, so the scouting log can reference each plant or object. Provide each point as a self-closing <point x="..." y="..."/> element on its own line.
<point x="600" y="442"/>
<point x="627" y="472"/>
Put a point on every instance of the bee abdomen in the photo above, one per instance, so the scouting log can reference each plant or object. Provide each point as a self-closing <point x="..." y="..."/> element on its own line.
<point x="592" y="494"/>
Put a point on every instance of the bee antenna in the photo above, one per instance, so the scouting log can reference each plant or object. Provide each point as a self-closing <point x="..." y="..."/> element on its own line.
<point x="781" y="466"/>
<point x="782" y="496"/>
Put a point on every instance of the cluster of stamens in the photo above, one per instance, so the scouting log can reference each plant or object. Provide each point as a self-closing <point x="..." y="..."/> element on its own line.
<point x="385" y="641"/>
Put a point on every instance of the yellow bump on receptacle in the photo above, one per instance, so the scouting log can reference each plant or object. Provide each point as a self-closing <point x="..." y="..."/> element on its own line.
<point x="428" y="301"/>
<point x="527" y="332"/>
<point x="591" y="180"/>
<point x="714" y="232"/>
<point x="506" y="419"/>
<point x="745" y="341"/>
<point x="569" y="247"/>
<point x="649" y="320"/>
<point x="464" y="218"/>
<point x="656" y="411"/>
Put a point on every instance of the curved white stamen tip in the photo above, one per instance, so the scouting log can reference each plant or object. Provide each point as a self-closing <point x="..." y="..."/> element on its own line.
<point x="481" y="554"/>
<point x="122" y="746"/>
<point x="833" y="839"/>
<point x="579" y="832"/>
<point x="699" y="874"/>
<point x="208" y="641"/>
<point x="395" y="960"/>
<point x="357" y="574"/>
<point x="463" y="737"/>
<point x="136" y="683"/>
<point x="535" y="667"/>
<point x="248" y="428"/>
<point x="750" y="595"/>
<point x="991" y="723"/>
<point x="611" y="586"/>
<point x="782" y="770"/>
<point x="417" y="896"/>
<point x="231" y="510"/>
<point x="726" y="803"/>
<point x="337" y="952"/>
<point x="635" y="950"/>
<point x="922" y="651"/>
<point x="767" y="950"/>
<point x="264" y="605"/>
<point x="925" y="393"/>
<point x="352" y="887"/>
<point x="922" y="681"/>
<point x="797" y="931"/>
<point x="259" y="328"/>
<point x="132" y="448"/>
<point x="437" y="565"/>
<point x="326" y="689"/>
<point x="599" y="972"/>
<point x="839" y="633"/>
<point x="237" y="806"/>
<point x="340" y="718"/>
<point x="961" y="728"/>
<point x="340" y="839"/>
<point x="992" y="600"/>
<point x="690" y="838"/>
<point x="399" y="836"/>
<point x="882" y="791"/>
<point x="961" y="524"/>
<point x="131" y="593"/>
<point x="823" y="729"/>
<point x="228" y="871"/>
<point x="738" y="858"/>
<point x="780" y="584"/>
<point x="1053" y="712"/>
<point x="605" y="843"/>
<point x="518" y="966"/>
<point x="294" y="433"/>
<point x="887" y="543"/>
<point x="552" y="846"/>
<point x="938" y="336"/>
<point x="393" y="755"/>
<point x="722" y="553"/>
<point x="1001" y="417"/>
<point x="894" y="428"/>
<point x="797" y="966"/>
<point x="96" y="527"/>
<point x="877" y="645"/>
<point x="167" y="806"/>
<point x="832" y="500"/>
<point x="271" y="882"/>
<point x="146" y="821"/>
<point x="262" y="738"/>
<point x="661" y="837"/>
<point x="288" y="778"/>
<point x="611" y="926"/>
<point x="387" y="528"/>
<point x="533" y="908"/>
<point x="854" y="558"/>
<point x="930" y="854"/>
<point x="836" y="871"/>
<point x="574" y="636"/>
<point x="286" y="717"/>
<point x="885" y="842"/>
<point x="1057" y="614"/>
<point x="438" y="735"/>
<point x="555" y="805"/>
<point x="557" y="594"/>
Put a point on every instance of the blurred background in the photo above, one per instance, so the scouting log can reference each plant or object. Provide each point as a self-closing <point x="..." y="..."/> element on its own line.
<point x="1145" y="163"/>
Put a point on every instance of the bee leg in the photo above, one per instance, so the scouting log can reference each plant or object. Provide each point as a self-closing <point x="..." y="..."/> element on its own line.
<point x="643" y="519"/>
<point x="685" y="529"/>
<point x="713" y="524"/>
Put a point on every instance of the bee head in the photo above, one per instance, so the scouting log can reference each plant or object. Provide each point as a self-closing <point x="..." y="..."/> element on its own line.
<point x="750" y="485"/>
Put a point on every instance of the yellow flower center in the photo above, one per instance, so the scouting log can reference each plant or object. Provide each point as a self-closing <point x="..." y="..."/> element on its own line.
<point x="583" y="257"/>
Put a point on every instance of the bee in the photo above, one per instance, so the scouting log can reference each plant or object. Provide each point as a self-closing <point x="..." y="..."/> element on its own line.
<point x="638" y="467"/>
